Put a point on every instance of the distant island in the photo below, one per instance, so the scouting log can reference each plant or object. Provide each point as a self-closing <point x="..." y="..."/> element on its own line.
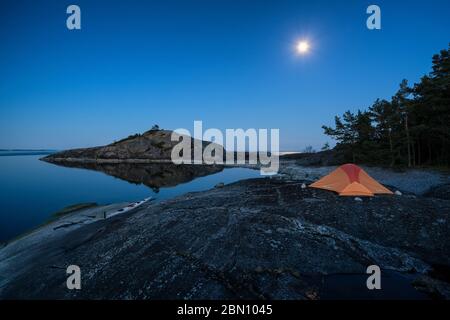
<point x="152" y="146"/>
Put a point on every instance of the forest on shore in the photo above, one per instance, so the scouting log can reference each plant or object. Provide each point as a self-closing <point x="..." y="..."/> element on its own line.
<point x="411" y="129"/>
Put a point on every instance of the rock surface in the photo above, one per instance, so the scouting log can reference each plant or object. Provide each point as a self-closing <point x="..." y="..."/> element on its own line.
<point x="257" y="239"/>
<point x="441" y="192"/>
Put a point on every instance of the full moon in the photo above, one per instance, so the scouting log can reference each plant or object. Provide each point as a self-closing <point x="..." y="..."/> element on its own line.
<point x="302" y="47"/>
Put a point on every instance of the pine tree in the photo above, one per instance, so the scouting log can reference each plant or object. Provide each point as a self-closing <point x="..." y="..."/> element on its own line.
<point x="411" y="129"/>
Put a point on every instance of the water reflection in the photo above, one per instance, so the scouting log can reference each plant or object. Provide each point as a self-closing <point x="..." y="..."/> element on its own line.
<point x="32" y="190"/>
<point x="155" y="175"/>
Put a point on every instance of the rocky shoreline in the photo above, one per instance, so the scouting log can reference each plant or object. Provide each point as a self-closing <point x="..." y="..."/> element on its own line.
<point x="57" y="160"/>
<point x="254" y="239"/>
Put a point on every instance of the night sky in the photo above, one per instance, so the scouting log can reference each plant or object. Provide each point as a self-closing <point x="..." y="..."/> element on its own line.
<point x="231" y="64"/>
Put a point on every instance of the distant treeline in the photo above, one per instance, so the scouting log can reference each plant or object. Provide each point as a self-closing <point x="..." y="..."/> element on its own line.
<point x="412" y="129"/>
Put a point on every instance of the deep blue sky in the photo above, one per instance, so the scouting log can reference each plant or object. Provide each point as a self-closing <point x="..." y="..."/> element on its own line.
<point x="229" y="63"/>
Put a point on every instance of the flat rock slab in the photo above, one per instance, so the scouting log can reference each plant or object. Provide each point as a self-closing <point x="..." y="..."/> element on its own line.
<point x="254" y="239"/>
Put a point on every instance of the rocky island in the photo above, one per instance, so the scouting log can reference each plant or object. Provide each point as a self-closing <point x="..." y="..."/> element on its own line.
<point x="152" y="146"/>
<point x="140" y="159"/>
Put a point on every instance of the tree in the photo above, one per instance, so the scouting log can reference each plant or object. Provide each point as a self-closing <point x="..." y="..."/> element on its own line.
<point x="402" y="103"/>
<point x="342" y="133"/>
<point x="309" y="149"/>
<point x="386" y="121"/>
<point x="413" y="128"/>
<point x="326" y="147"/>
<point x="432" y="110"/>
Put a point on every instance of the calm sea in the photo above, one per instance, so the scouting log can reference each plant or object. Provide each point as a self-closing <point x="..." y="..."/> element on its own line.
<point x="32" y="190"/>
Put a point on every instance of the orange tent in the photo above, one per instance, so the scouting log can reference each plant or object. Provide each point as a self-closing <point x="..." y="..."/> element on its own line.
<point x="350" y="180"/>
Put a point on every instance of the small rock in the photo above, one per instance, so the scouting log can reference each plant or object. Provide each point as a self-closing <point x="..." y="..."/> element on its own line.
<point x="432" y="286"/>
<point x="312" y="295"/>
<point x="220" y="185"/>
<point x="303" y="186"/>
<point x="358" y="199"/>
<point x="278" y="271"/>
<point x="398" y="193"/>
<point x="258" y="269"/>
